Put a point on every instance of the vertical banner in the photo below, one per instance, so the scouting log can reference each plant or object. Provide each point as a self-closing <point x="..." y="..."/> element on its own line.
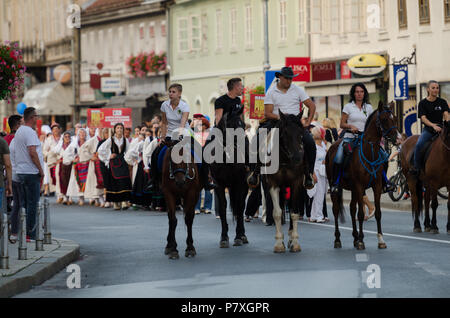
<point x="401" y="87"/>
<point x="256" y="106"/>
<point x="5" y="125"/>
<point x="345" y="71"/>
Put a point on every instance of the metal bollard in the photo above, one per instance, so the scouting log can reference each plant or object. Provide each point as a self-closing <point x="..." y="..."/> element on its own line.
<point x="23" y="235"/>
<point x="47" y="231"/>
<point x="4" y="258"/>
<point x="39" y="240"/>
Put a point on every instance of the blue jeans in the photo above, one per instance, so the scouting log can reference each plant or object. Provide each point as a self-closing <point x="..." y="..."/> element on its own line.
<point x="207" y="205"/>
<point x="424" y="137"/>
<point x="340" y="152"/>
<point x="16" y="207"/>
<point x="30" y="195"/>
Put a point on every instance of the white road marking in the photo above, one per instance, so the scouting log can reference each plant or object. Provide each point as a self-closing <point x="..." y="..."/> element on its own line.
<point x="384" y="234"/>
<point x="432" y="269"/>
<point x="369" y="295"/>
<point x="362" y="257"/>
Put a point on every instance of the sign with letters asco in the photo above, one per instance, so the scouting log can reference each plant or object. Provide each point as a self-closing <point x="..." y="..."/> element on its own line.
<point x="301" y="66"/>
<point x="367" y="64"/>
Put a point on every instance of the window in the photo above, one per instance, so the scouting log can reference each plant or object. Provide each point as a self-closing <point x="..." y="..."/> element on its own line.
<point x="335" y="16"/>
<point x="356" y="18"/>
<point x="195" y="33"/>
<point x="283" y="20"/>
<point x="163" y="28"/>
<point x="424" y="12"/>
<point x="248" y="25"/>
<point x="183" y="44"/>
<point x="219" y="30"/>
<point x="316" y="23"/>
<point x="301" y="18"/>
<point x="447" y="10"/>
<point x="141" y="32"/>
<point x="151" y="30"/>
<point x="402" y="14"/>
<point x="382" y="5"/>
<point x="233" y="24"/>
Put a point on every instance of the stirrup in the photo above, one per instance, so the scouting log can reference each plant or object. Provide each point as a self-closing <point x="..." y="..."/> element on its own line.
<point x="334" y="189"/>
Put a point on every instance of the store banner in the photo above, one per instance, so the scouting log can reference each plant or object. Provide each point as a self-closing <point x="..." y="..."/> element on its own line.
<point x="300" y="66"/>
<point x="323" y="71"/>
<point x="270" y="78"/>
<point x="345" y="71"/>
<point x="401" y="87"/>
<point x="108" y="117"/>
<point x="256" y="106"/>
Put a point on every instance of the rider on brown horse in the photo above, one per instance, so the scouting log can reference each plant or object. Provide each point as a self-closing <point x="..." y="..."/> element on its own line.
<point x="432" y="112"/>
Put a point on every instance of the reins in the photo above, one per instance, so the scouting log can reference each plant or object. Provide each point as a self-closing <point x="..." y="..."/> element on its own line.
<point x="184" y="171"/>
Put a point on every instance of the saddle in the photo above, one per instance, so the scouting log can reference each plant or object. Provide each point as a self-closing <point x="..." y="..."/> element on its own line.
<point x="424" y="152"/>
<point x="162" y="153"/>
<point x="349" y="147"/>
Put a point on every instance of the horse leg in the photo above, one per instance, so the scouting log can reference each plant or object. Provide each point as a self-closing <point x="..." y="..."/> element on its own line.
<point x="448" y="212"/>
<point x="359" y="197"/>
<point x="426" y="223"/>
<point x="189" y="220"/>
<point x="242" y="194"/>
<point x="434" y="206"/>
<point x="238" y="214"/>
<point x="353" y="210"/>
<point x="415" y="205"/>
<point x="377" y="197"/>
<point x="224" y="241"/>
<point x="294" y="245"/>
<point x="336" y="208"/>
<point x="171" y="248"/>
<point x="279" y="237"/>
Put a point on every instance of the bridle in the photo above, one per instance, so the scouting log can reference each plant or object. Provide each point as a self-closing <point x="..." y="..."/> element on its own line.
<point x="285" y="151"/>
<point x="180" y="170"/>
<point x="385" y="132"/>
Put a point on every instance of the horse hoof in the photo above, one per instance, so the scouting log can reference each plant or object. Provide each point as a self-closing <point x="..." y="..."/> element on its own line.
<point x="295" y="248"/>
<point x="417" y="230"/>
<point x="167" y="251"/>
<point x="434" y="231"/>
<point x="238" y="242"/>
<point x="337" y="245"/>
<point x="174" y="255"/>
<point x="382" y="246"/>
<point x="279" y="248"/>
<point x="190" y="253"/>
<point x="361" y="246"/>
<point x="448" y="232"/>
<point x="427" y="229"/>
<point x="244" y="239"/>
<point x="289" y="244"/>
<point x="355" y="244"/>
<point x="224" y="244"/>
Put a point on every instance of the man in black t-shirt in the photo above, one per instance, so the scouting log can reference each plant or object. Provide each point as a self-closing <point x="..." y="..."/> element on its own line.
<point x="230" y="101"/>
<point x="432" y="111"/>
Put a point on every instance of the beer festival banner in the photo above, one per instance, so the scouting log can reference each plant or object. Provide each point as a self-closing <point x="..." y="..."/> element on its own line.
<point x="108" y="117"/>
<point x="257" y="106"/>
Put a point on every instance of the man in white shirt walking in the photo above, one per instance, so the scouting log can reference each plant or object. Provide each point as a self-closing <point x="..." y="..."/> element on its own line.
<point x="29" y="166"/>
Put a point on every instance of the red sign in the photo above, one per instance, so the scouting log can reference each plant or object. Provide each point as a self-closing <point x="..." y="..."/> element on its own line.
<point x="300" y="66"/>
<point x="324" y="71"/>
<point x="345" y="71"/>
<point x="108" y="117"/>
<point x="256" y="106"/>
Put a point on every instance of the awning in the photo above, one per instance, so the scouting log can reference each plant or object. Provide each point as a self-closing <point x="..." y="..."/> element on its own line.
<point x="50" y="99"/>
<point x="132" y="101"/>
<point x="338" y="87"/>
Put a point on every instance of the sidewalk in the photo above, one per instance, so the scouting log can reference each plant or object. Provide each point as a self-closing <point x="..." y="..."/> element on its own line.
<point x="40" y="266"/>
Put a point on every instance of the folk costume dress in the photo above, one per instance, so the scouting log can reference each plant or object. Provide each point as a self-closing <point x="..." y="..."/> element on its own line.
<point x="139" y="195"/>
<point x="64" y="168"/>
<point x="51" y="158"/>
<point x="94" y="183"/>
<point x="118" y="183"/>
<point x="78" y="177"/>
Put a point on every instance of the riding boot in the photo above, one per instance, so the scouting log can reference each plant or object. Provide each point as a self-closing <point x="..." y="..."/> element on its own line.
<point x="334" y="189"/>
<point x="309" y="183"/>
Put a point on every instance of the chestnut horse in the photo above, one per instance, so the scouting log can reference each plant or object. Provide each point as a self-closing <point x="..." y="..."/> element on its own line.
<point x="180" y="181"/>
<point x="363" y="172"/>
<point x="435" y="175"/>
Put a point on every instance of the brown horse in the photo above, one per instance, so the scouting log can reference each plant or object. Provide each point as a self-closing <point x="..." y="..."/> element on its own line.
<point x="435" y="175"/>
<point x="180" y="180"/>
<point x="363" y="172"/>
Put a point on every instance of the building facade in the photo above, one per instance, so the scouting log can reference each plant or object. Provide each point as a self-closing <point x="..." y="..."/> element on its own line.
<point x="111" y="33"/>
<point x="212" y="41"/>
<point x="415" y="32"/>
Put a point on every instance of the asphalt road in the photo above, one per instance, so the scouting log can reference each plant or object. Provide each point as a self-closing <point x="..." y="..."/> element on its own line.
<point x="123" y="256"/>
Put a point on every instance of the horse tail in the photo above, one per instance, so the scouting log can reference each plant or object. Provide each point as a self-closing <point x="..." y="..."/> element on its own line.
<point x="340" y="202"/>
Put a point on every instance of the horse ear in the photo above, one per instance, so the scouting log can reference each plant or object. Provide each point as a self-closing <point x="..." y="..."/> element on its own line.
<point x="300" y="116"/>
<point x="239" y="112"/>
<point x="223" y="122"/>
<point x="380" y="105"/>
<point x="392" y="106"/>
<point x="282" y="116"/>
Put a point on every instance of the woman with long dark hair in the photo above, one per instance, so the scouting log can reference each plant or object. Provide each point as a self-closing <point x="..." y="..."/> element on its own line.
<point x="112" y="152"/>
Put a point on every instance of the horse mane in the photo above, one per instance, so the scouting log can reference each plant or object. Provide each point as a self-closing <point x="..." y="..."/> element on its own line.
<point x="369" y="119"/>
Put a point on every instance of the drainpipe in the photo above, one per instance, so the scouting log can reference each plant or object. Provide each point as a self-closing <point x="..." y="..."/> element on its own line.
<point x="266" y="65"/>
<point x="168" y="39"/>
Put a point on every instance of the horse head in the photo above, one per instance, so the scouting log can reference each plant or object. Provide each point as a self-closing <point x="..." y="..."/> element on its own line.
<point x="387" y="121"/>
<point x="179" y="172"/>
<point x="291" y="137"/>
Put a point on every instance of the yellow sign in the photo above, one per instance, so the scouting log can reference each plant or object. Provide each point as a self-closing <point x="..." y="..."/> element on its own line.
<point x="367" y="64"/>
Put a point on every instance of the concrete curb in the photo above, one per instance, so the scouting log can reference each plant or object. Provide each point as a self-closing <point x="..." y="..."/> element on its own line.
<point x="41" y="270"/>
